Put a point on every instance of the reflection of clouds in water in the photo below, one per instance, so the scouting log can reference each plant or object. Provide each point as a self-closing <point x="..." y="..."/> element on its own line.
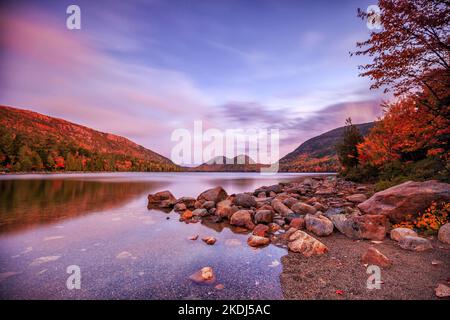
<point x="41" y="260"/>
<point x="53" y="238"/>
<point x="233" y="242"/>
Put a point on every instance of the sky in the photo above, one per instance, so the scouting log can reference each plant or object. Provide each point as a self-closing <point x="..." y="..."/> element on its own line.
<point x="142" y="69"/>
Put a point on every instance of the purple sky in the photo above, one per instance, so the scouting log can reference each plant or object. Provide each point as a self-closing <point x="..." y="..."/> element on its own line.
<point x="141" y="69"/>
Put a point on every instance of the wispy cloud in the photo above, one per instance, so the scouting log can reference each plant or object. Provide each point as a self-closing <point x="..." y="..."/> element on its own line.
<point x="249" y="57"/>
<point x="296" y="128"/>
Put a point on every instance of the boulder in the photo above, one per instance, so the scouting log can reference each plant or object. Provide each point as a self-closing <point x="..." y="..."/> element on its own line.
<point x="260" y="230"/>
<point x="162" y="199"/>
<point x="356" y="198"/>
<point x="325" y="191"/>
<point x="298" y="223"/>
<point x="372" y="227"/>
<point x="444" y="233"/>
<point x="319" y="225"/>
<point x="408" y="198"/>
<point x="415" y="243"/>
<point x="303" y="243"/>
<point x="189" y="202"/>
<point x="279" y="207"/>
<point x="257" y="241"/>
<point x="204" y="276"/>
<point x="320" y="207"/>
<point x="216" y="194"/>
<point x="200" y="212"/>
<point x="242" y="218"/>
<point x="209" y="205"/>
<point x="179" y="207"/>
<point x="263" y="216"/>
<point x="261" y="195"/>
<point x="273" y="227"/>
<point x="274" y="189"/>
<point x="244" y="200"/>
<point x="375" y="257"/>
<point x="289" y="202"/>
<point x="303" y="208"/>
<point x="399" y="233"/>
<point x="224" y="209"/>
<point x="333" y="211"/>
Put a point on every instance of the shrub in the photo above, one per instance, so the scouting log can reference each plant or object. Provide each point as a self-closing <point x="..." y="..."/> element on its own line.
<point x="430" y="221"/>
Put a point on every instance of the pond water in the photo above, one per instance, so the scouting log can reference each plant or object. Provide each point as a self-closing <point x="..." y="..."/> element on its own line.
<point x="100" y="223"/>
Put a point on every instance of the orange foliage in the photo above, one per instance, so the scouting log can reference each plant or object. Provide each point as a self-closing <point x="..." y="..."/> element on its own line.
<point x="429" y="221"/>
<point x="406" y="128"/>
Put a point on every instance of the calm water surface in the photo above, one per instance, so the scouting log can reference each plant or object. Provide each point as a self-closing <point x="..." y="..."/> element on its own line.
<point x="100" y="223"/>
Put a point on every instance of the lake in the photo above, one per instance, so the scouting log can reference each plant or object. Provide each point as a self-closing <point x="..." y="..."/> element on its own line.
<point x="100" y="222"/>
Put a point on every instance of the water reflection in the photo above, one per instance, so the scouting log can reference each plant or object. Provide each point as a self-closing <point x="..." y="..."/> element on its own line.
<point x="24" y="203"/>
<point x="124" y="249"/>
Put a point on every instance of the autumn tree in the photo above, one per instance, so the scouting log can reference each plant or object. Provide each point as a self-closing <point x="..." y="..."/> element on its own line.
<point x="347" y="149"/>
<point x="407" y="132"/>
<point x="411" y="54"/>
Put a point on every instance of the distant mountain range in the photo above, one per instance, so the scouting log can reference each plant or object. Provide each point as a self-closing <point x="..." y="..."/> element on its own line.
<point x="240" y="163"/>
<point x="30" y="141"/>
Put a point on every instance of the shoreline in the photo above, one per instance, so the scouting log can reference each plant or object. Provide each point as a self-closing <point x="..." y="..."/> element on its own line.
<point x="329" y="241"/>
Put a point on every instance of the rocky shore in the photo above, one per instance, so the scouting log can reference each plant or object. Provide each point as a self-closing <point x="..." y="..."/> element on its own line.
<point x="309" y="217"/>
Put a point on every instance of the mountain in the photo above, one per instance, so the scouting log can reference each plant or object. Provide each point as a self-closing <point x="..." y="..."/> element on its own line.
<point x="318" y="154"/>
<point x="32" y="141"/>
<point x="240" y="163"/>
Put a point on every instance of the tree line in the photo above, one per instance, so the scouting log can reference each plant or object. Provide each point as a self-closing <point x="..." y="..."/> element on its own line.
<point x="21" y="153"/>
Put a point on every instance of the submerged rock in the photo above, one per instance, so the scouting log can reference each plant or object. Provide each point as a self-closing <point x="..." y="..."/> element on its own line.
<point x="204" y="276"/>
<point x="209" y="240"/>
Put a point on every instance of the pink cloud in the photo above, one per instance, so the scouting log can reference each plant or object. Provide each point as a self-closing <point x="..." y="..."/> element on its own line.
<point x="52" y="70"/>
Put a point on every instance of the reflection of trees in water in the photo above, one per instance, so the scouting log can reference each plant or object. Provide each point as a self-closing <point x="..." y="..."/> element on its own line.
<point x="30" y="202"/>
